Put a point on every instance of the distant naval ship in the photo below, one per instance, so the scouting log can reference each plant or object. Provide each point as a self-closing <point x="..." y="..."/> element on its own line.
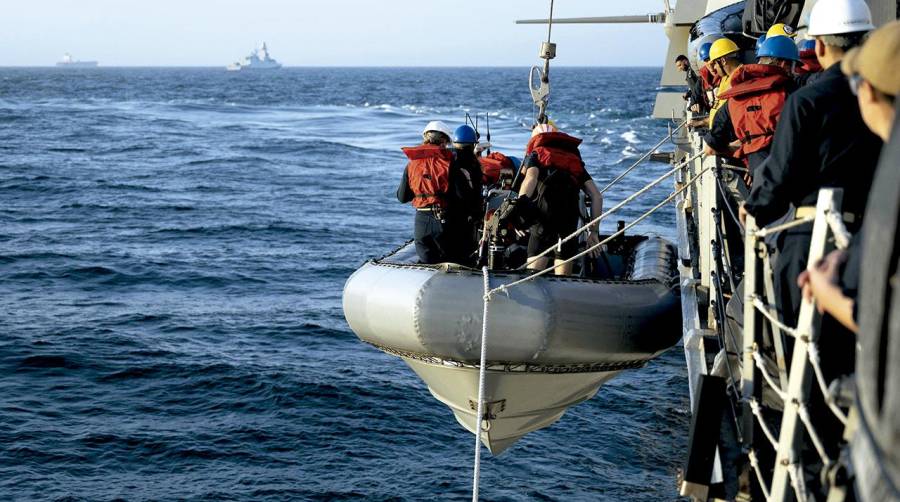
<point x="259" y="59"/>
<point x="68" y="62"/>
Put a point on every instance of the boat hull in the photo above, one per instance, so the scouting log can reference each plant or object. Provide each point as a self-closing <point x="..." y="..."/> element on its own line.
<point x="551" y="342"/>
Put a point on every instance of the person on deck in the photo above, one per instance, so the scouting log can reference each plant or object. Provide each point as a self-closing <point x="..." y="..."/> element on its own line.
<point x="708" y="78"/>
<point x="820" y="141"/>
<point x="436" y="187"/>
<point x="554" y="174"/>
<point x="724" y="58"/>
<point x="694" y="96"/>
<point x="876" y="83"/>
<point x="745" y="126"/>
<point x="809" y="69"/>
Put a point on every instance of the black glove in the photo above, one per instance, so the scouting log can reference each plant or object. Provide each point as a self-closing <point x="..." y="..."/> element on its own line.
<point x="521" y="213"/>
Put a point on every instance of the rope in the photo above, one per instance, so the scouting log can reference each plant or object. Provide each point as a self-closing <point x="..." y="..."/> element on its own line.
<point x="642" y="159"/>
<point x="764" y="310"/>
<point x="759" y="477"/>
<point x="803" y="413"/>
<point x="503" y="288"/>
<point x="784" y="226"/>
<point x="795" y="472"/>
<point x="814" y="361"/>
<point x="836" y="223"/>
<point x="476" y="475"/>
<point x="757" y="412"/>
<point x="769" y="380"/>
<point x="611" y="210"/>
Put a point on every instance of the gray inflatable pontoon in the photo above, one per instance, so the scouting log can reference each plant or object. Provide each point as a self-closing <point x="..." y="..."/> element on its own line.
<point x="551" y="342"/>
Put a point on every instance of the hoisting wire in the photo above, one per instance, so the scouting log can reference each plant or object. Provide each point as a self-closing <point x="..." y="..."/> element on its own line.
<point x="540" y="93"/>
<point x="476" y="474"/>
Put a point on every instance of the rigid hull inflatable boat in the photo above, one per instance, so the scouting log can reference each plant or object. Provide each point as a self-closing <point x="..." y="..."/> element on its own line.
<point x="551" y="341"/>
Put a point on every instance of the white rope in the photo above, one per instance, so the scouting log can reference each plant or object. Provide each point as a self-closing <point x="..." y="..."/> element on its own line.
<point x="803" y="413"/>
<point x="760" y="364"/>
<point x="642" y="159"/>
<point x="797" y="482"/>
<point x="759" y="477"/>
<point x="611" y="210"/>
<point x="504" y="288"/>
<point x="784" y="226"/>
<point x="476" y="475"/>
<point x="836" y="223"/>
<point x="814" y="361"/>
<point x="757" y="412"/>
<point x="764" y="310"/>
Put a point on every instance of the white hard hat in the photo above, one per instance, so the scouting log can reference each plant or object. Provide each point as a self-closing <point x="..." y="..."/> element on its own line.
<point x="437" y="125"/>
<point x="836" y="17"/>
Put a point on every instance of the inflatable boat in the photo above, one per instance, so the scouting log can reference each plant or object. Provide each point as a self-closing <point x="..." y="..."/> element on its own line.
<point x="552" y="342"/>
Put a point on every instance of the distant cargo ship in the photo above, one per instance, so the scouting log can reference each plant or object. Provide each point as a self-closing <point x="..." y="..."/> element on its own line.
<point x="68" y="62"/>
<point x="259" y="59"/>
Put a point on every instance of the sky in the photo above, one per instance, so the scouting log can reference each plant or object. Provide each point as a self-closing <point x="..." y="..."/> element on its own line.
<point x="322" y="32"/>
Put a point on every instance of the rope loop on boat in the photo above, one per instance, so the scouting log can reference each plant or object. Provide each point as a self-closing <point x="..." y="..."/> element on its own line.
<point x="476" y="474"/>
<point x="639" y="219"/>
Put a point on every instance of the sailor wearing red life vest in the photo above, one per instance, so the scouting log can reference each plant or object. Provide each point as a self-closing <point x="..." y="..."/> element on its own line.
<point x="809" y="67"/>
<point x="745" y="126"/>
<point x="553" y="176"/>
<point x="434" y="185"/>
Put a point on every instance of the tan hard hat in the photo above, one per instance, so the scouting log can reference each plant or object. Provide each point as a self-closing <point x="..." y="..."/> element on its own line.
<point x="877" y="60"/>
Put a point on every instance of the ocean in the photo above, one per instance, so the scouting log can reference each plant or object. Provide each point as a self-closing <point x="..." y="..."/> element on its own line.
<point x="173" y="246"/>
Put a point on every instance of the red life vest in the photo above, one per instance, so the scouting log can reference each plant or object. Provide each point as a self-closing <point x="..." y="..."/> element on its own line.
<point x="710" y="80"/>
<point x="492" y="164"/>
<point x="428" y="172"/>
<point x="558" y="150"/>
<point x="810" y="64"/>
<point x="755" y="100"/>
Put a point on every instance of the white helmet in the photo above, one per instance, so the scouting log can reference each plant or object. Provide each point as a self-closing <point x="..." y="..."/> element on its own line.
<point x="836" y="17"/>
<point x="437" y="125"/>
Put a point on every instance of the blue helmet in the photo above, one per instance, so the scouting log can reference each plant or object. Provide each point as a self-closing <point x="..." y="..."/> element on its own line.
<point x="704" y="51"/>
<point x="516" y="162"/>
<point x="465" y="134"/>
<point x="807" y="45"/>
<point x="759" y="42"/>
<point x="779" y="47"/>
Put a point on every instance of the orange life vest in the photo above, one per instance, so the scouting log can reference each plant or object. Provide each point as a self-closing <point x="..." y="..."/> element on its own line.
<point x="755" y="100"/>
<point x="810" y="64"/>
<point x="492" y="164"/>
<point x="428" y="172"/>
<point x="558" y="150"/>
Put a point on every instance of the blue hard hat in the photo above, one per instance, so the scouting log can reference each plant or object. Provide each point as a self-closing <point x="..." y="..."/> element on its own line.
<point x="759" y="42"/>
<point x="517" y="162"/>
<point x="779" y="47"/>
<point x="465" y="134"/>
<point x="808" y="45"/>
<point x="704" y="51"/>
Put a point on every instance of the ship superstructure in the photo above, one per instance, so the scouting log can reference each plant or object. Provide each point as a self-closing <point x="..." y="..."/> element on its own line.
<point x="69" y="62"/>
<point x="259" y="59"/>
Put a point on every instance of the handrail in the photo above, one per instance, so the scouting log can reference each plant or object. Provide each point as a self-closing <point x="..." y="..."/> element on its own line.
<point x="643" y="158"/>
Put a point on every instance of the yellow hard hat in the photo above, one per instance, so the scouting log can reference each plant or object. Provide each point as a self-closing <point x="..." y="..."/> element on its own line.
<point x="780" y="30"/>
<point x="722" y="47"/>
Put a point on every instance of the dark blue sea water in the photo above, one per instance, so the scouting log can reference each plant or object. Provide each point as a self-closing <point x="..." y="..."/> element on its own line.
<point x="173" y="244"/>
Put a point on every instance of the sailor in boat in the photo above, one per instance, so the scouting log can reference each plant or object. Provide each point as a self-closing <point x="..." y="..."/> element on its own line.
<point x="554" y="174"/>
<point x="437" y="189"/>
<point x="725" y="57"/>
<point x="820" y="141"/>
<point x="744" y="127"/>
<point x="876" y="83"/>
<point x="464" y="140"/>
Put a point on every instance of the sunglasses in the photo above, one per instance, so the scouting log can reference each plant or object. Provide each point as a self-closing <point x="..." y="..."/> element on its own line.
<point x="855" y="81"/>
